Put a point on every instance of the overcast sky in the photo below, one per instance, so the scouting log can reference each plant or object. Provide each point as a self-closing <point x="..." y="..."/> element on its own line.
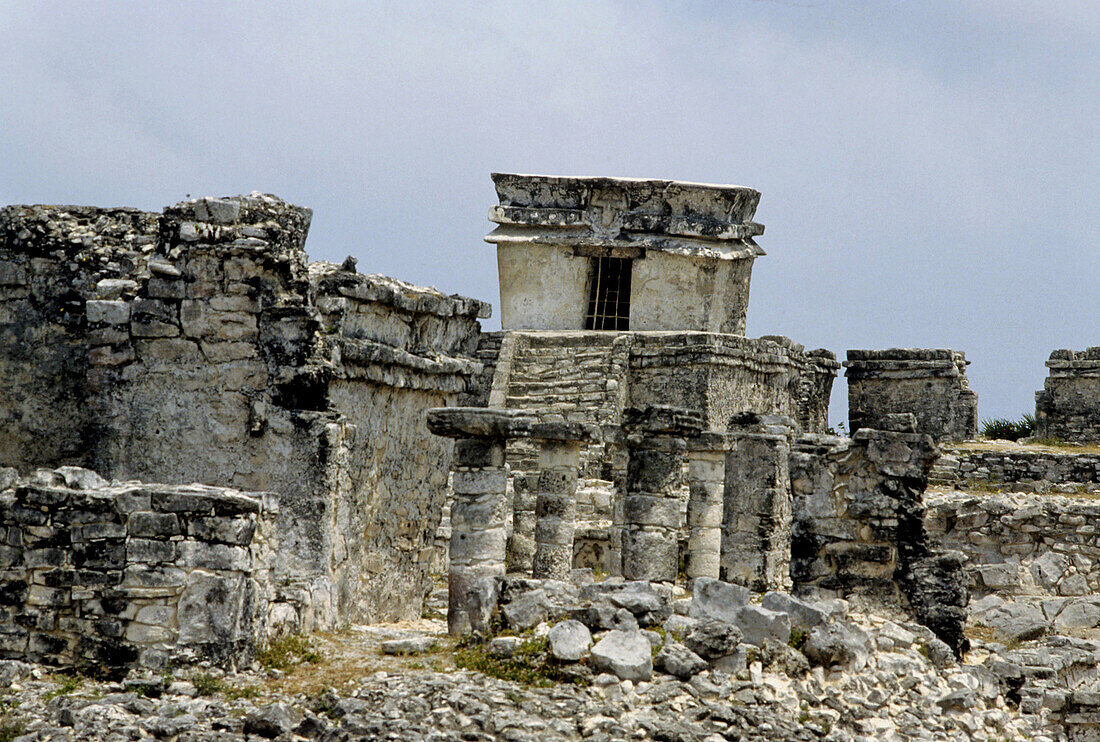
<point x="929" y="169"/>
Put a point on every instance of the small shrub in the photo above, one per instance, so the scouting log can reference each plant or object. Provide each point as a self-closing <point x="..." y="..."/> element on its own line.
<point x="208" y="685"/>
<point x="530" y="665"/>
<point x="1009" y="430"/>
<point x="798" y="638"/>
<point x="10" y="728"/>
<point x="286" y="651"/>
<point x="66" y="684"/>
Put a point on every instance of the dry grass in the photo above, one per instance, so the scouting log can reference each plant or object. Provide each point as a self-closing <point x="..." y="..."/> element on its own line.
<point x="346" y="657"/>
<point x="1009" y="446"/>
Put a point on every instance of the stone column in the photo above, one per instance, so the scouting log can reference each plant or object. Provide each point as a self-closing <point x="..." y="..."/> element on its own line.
<point x="756" y="523"/>
<point x="556" y="509"/>
<point x="706" y="483"/>
<point x="478" y="512"/>
<point x="651" y="509"/>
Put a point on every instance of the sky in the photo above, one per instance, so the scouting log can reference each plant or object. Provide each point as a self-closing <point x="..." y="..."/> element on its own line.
<point x="930" y="169"/>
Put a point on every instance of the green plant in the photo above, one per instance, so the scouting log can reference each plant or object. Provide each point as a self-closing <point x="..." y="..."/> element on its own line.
<point x="798" y="638"/>
<point x="66" y="684"/>
<point x="286" y="651"/>
<point x="1009" y="430"/>
<point x="10" y="728"/>
<point x="207" y="684"/>
<point x="531" y="664"/>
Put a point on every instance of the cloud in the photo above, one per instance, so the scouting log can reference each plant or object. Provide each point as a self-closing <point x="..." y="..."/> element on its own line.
<point x="928" y="169"/>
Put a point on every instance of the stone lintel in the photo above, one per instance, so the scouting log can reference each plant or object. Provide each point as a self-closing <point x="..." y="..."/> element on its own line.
<point x="658" y="420"/>
<point x="479" y="422"/>
<point x="502" y="424"/>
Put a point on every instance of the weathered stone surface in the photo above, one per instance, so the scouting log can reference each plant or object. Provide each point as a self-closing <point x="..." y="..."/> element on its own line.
<point x="838" y="643"/>
<point x="760" y="624"/>
<point x="930" y="384"/>
<point x="1067" y="407"/>
<point x="569" y="640"/>
<point x="676" y="659"/>
<point x="716" y="599"/>
<point x="804" y="615"/>
<point x="625" y="654"/>
<point x="712" y="638"/>
<point x="199" y="345"/>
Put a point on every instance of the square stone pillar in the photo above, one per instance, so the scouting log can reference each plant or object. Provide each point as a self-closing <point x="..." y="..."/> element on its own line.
<point x="556" y="509"/>
<point x="706" y="489"/>
<point x="651" y="509"/>
<point x="756" y="522"/>
<point x="479" y="510"/>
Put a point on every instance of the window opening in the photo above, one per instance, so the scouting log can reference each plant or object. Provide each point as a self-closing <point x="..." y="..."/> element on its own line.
<point x="609" y="295"/>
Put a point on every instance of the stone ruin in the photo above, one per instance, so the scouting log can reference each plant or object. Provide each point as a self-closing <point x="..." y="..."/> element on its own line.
<point x="930" y="384"/>
<point x="199" y="345"/>
<point x="207" y="440"/>
<point x="1069" y="405"/>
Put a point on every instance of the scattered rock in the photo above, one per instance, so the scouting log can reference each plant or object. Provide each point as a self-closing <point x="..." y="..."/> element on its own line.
<point x="626" y="654"/>
<point x="676" y="659"/>
<point x="570" y="640"/>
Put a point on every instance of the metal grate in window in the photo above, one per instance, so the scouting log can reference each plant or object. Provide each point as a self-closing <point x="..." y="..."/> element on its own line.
<point x="609" y="295"/>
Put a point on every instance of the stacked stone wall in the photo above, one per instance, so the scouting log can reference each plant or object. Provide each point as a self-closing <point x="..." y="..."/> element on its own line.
<point x="1020" y="544"/>
<point x="1069" y="405"/>
<point x="199" y="346"/>
<point x="1039" y="471"/>
<point x="930" y="384"/>
<point x="113" y="576"/>
<point x="858" y="508"/>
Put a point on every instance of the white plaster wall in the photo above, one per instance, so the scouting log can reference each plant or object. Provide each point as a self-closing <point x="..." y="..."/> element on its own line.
<point x="541" y="287"/>
<point x="671" y="292"/>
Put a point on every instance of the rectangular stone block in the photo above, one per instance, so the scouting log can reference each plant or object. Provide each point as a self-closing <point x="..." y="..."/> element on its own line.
<point x="480" y="481"/>
<point x="108" y="312"/>
<point x="153" y="525"/>
<point x="478" y="547"/>
<point x="150" y="550"/>
<point x="477" y="513"/>
<point x="647" y="510"/>
<point x="197" y="554"/>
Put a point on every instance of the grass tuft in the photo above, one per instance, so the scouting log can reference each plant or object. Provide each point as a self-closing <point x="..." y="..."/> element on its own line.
<point x="531" y="664"/>
<point x="1009" y="430"/>
<point x="286" y="651"/>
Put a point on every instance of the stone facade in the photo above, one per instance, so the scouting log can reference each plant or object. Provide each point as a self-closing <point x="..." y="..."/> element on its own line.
<point x="1069" y="405"/>
<point x="100" y="575"/>
<point x="930" y="384"/>
<point x="199" y="345"/>
<point x="687" y="248"/>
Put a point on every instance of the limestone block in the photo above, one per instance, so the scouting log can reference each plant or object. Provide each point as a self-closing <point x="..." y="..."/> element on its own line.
<point x="713" y="598"/>
<point x="625" y="654"/>
<point x="153" y="525"/>
<point x="760" y="624"/>
<point x="108" y="312"/>
<point x="569" y="640"/>
<point x="649" y="554"/>
<point x="210" y="608"/>
<point x="202" y="555"/>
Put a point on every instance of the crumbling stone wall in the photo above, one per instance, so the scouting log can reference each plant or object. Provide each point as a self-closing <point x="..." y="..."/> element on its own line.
<point x="723" y="375"/>
<point x="858" y="524"/>
<point x="1020" y="544"/>
<point x="207" y="349"/>
<point x="930" y="384"/>
<point x="51" y="259"/>
<point x="1069" y="405"/>
<point x="132" y="574"/>
<point x="1039" y="471"/>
